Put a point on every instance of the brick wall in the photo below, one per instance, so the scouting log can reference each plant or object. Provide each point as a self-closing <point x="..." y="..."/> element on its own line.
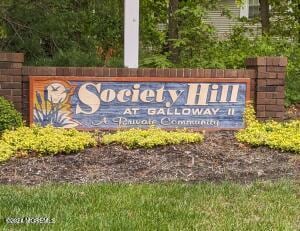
<point x="266" y="74"/>
<point x="270" y="82"/>
<point x="11" y="78"/>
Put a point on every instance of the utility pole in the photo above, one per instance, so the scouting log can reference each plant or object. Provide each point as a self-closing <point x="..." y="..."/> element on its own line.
<point x="131" y="33"/>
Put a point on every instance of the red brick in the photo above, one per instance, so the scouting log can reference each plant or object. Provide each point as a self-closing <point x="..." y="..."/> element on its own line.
<point x="281" y="75"/>
<point x="257" y="61"/>
<point x="16" y="92"/>
<point x="207" y="73"/>
<point x="10" y="85"/>
<point x="275" y="82"/>
<point x="230" y="73"/>
<point x="173" y="72"/>
<point x="106" y="72"/>
<point x="17" y="99"/>
<point x="251" y="74"/>
<point x="278" y="95"/>
<point x="166" y="72"/>
<point x="90" y="71"/>
<point x="260" y="107"/>
<point x="9" y="65"/>
<point x="133" y="72"/>
<point x="220" y="73"/>
<point x="264" y="101"/>
<point x="266" y="88"/>
<point x="200" y="72"/>
<point x="60" y="71"/>
<point x="280" y="101"/>
<point x="125" y="72"/>
<point x="241" y="73"/>
<point x="12" y="57"/>
<point x="283" y="61"/>
<point x="5" y="92"/>
<point x="280" y="114"/>
<point x="271" y="114"/>
<point x="153" y="72"/>
<point x="10" y="71"/>
<point x="276" y="108"/>
<point x="261" y="82"/>
<point x="187" y="72"/>
<point x="276" y="69"/>
<point x="99" y="71"/>
<point x="263" y="75"/>
<point x="112" y="73"/>
<point x="261" y="114"/>
<point x="146" y="72"/>
<point x="72" y="71"/>
<point x="261" y="69"/>
<point x="180" y="72"/>
<point x="45" y="71"/>
<point x="213" y="73"/>
<point x="261" y="95"/>
<point x="140" y="72"/>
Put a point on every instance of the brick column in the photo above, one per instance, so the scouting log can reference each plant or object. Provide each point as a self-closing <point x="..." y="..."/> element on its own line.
<point x="11" y="78"/>
<point x="270" y="78"/>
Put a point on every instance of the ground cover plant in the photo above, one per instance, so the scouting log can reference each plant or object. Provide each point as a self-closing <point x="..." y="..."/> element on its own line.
<point x="149" y="138"/>
<point x="226" y="206"/>
<point x="284" y="136"/>
<point x="43" y="141"/>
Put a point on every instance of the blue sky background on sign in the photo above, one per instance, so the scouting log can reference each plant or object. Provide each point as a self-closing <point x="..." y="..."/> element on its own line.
<point x="111" y="114"/>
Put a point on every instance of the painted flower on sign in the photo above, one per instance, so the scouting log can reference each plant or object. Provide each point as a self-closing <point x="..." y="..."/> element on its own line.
<point x="50" y="109"/>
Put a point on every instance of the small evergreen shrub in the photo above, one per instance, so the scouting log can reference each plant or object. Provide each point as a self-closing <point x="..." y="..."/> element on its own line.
<point x="152" y="137"/>
<point x="284" y="136"/>
<point x="48" y="140"/>
<point x="9" y="117"/>
<point x="6" y="151"/>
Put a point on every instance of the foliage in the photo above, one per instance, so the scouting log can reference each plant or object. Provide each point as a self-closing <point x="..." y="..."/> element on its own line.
<point x="56" y="29"/>
<point x="9" y="117"/>
<point x="165" y="206"/>
<point x="6" y="151"/>
<point x="47" y="140"/>
<point x="284" y="136"/>
<point x="152" y="137"/>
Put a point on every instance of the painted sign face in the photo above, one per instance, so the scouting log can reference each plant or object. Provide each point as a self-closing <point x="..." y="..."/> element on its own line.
<point x="112" y="103"/>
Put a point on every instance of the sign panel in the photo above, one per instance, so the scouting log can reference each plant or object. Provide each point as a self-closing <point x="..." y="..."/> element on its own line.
<point x="117" y="102"/>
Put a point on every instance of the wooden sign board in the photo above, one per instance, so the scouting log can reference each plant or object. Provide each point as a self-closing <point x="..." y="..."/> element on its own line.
<point x="90" y="103"/>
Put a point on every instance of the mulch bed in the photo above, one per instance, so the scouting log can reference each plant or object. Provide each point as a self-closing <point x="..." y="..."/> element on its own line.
<point x="219" y="158"/>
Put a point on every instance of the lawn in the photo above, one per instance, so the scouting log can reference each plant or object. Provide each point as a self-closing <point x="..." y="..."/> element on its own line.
<point x="226" y="206"/>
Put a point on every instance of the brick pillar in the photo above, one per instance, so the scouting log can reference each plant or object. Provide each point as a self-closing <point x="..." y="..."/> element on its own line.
<point x="11" y="78"/>
<point x="270" y="78"/>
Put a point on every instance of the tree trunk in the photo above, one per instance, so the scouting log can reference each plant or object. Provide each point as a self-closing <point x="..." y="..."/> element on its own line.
<point x="265" y="16"/>
<point x="173" y="31"/>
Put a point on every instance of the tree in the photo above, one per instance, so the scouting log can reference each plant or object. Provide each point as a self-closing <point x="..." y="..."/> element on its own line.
<point x="265" y="16"/>
<point x="173" y="31"/>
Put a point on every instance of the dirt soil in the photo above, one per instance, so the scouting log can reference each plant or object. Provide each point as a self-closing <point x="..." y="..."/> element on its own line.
<point x="219" y="158"/>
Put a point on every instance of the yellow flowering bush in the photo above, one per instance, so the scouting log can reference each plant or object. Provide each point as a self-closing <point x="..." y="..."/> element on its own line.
<point x="152" y="137"/>
<point x="47" y="140"/>
<point x="284" y="136"/>
<point x="6" y="151"/>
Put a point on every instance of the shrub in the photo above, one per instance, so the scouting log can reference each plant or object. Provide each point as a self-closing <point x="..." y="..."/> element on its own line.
<point x="48" y="140"/>
<point x="152" y="137"/>
<point x="5" y="151"/>
<point x="284" y="136"/>
<point x="9" y="117"/>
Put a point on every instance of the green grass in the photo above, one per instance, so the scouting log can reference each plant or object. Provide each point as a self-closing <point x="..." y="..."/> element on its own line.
<point x="260" y="206"/>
